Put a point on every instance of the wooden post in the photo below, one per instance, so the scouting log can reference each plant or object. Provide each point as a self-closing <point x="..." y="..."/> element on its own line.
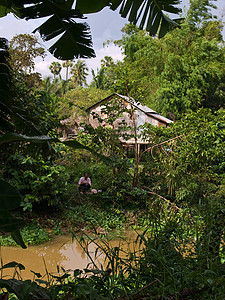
<point x="138" y="149"/>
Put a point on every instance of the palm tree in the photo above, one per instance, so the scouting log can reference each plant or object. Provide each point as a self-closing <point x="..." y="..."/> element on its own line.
<point x="79" y="73"/>
<point x="98" y="79"/>
<point x="67" y="64"/>
<point x="55" y="68"/>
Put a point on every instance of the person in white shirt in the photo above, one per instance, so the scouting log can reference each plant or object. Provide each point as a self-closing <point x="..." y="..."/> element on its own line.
<point x="84" y="184"/>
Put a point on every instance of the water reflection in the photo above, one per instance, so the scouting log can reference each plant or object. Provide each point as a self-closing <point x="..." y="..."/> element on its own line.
<point x="61" y="251"/>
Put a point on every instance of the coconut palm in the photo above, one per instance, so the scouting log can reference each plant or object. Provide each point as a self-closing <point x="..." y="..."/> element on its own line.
<point x="67" y="64"/>
<point x="79" y="73"/>
<point x="55" y="68"/>
<point x="98" y="79"/>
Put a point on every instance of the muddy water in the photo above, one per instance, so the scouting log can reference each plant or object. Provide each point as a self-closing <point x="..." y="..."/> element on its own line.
<point x="61" y="251"/>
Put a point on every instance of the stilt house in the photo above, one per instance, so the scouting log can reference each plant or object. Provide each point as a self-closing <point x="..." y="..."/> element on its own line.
<point x="134" y="115"/>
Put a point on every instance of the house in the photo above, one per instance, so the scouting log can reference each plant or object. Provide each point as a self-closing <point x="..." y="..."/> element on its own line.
<point x="134" y="115"/>
<point x="69" y="127"/>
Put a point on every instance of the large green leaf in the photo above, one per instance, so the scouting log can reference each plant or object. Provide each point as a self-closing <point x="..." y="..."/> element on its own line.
<point x="10" y="199"/>
<point x="68" y="47"/>
<point x="74" y="38"/>
<point x="10" y="223"/>
<point x="9" y="196"/>
<point x="149" y="14"/>
<point x="24" y="289"/>
<point x="11" y="285"/>
<point x="5" y="79"/>
<point x="90" y="6"/>
<point x="16" y="235"/>
<point x="15" y="137"/>
<point x="4" y="10"/>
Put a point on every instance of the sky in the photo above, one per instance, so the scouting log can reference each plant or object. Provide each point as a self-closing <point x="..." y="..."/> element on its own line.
<point x="105" y="25"/>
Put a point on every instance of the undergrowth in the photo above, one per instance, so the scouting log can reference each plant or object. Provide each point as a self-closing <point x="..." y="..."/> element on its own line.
<point x="32" y="234"/>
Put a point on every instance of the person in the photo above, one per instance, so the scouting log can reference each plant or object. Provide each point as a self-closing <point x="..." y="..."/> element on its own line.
<point x="84" y="184"/>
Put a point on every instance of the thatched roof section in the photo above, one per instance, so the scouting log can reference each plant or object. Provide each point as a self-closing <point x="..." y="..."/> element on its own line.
<point x="72" y="121"/>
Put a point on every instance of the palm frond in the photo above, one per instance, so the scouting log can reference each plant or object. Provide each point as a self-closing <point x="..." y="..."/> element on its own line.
<point x="74" y="38"/>
<point x="149" y="14"/>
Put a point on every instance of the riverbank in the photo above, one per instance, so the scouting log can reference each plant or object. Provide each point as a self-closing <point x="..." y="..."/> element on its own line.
<point x="166" y="267"/>
<point x="63" y="251"/>
<point x="86" y="215"/>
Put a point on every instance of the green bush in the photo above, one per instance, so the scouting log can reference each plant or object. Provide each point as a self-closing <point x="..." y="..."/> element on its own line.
<point x="39" y="180"/>
<point x="31" y="234"/>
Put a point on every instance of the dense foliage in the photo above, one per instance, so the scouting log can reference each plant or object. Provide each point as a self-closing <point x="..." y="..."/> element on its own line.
<point x="178" y="181"/>
<point x="183" y="71"/>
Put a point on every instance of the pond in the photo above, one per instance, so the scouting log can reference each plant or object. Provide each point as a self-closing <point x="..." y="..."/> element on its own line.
<point x="61" y="251"/>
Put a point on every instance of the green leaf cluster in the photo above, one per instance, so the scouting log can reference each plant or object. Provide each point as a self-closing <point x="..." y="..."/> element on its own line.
<point x="182" y="71"/>
<point x="188" y="169"/>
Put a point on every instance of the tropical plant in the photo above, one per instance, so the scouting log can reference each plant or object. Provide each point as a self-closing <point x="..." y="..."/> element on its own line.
<point x="98" y="79"/>
<point x="56" y="86"/>
<point x="9" y="224"/>
<point x="79" y="73"/>
<point x="105" y="76"/>
<point x="55" y="68"/>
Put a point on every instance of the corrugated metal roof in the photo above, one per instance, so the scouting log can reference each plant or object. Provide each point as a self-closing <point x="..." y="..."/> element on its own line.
<point x="136" y="104"/>
<point x="159" y="117"/>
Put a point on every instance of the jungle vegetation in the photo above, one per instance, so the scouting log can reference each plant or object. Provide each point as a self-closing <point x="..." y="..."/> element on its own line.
<point x="174" y="191"/>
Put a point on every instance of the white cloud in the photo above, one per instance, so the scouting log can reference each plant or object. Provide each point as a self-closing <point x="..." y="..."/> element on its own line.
<point x="110" y="50"/>
<point x="43" y="66"/>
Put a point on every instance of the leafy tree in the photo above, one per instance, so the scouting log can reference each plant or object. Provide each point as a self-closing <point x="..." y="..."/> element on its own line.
<point x="199" y="12"/>
<point x="75" y="101"/>
<point x="55" y="68"/>
<point x="106" y="75"/>
<point x="182" y="71"/>
<point x="187" y="168"/>
<point x="79" y="73"/>
<point x="197" y="79"/>
<point x="24" y="48"/>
